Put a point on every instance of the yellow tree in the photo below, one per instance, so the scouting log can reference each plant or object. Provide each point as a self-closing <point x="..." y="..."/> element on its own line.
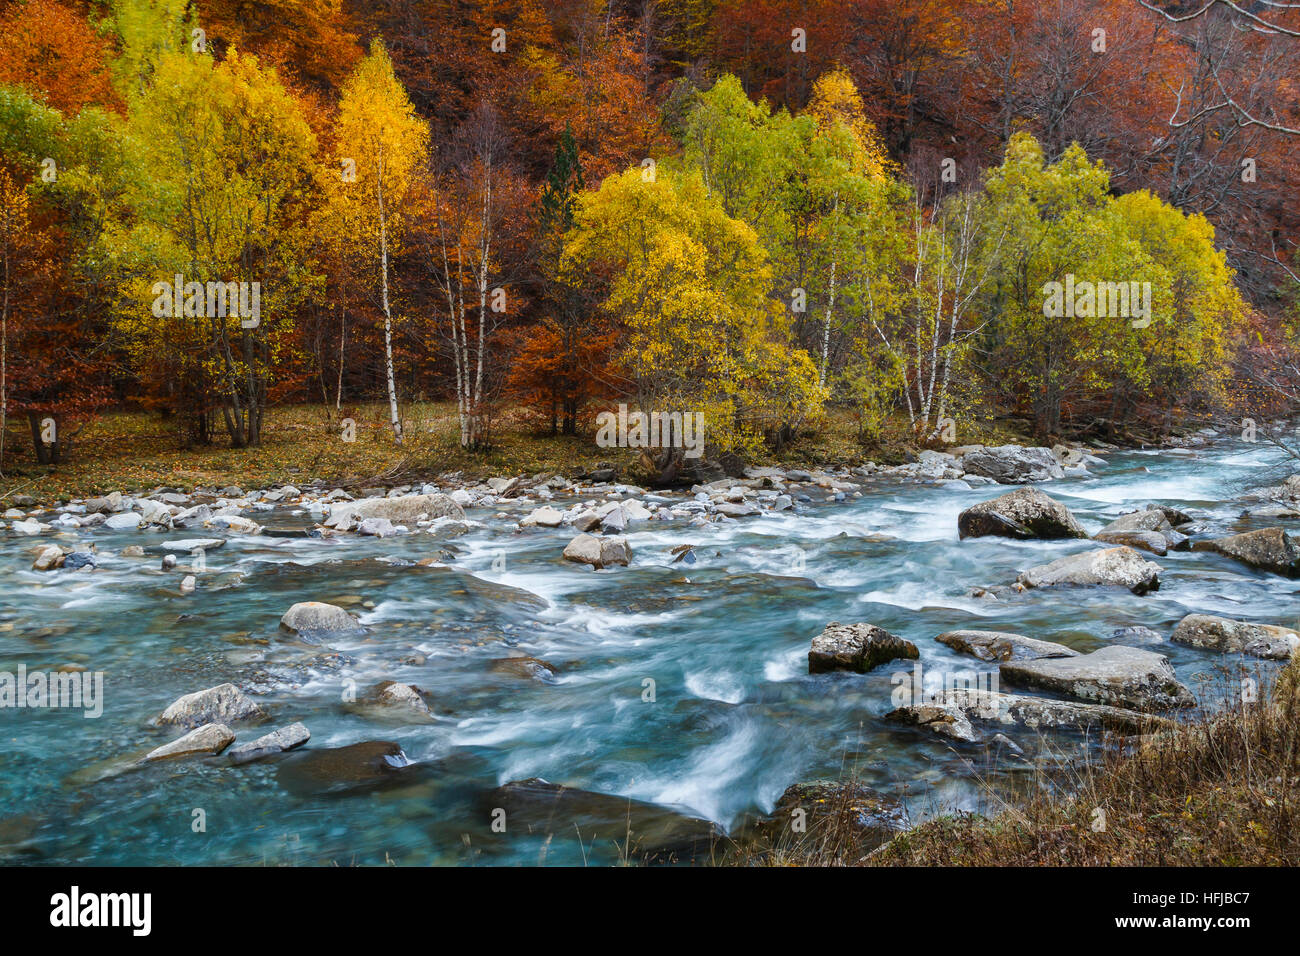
<point x="382" y="144"/>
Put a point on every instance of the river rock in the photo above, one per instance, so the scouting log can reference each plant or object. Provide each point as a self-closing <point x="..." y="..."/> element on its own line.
<point x="1236" y="637"/>
<point x="357" y="767"/>
<point x="643" y="832"/>
<point x="874" y="817"/>
<point x="376" y="527"/>
<point x="50" y="559"/>
<point x="1116" y="675"/>
<point x="1152" y="541"/>
<point x="1106" y="567"/>
<point x="953" y="713"/>
<point x="392" y="694"/>
<point x="224" y="703"/>
<point x="80" y="559"/>
<point x="1023" y="513"/>
<point x="598" y="552"/>
<point x="1150" y="520"/>
<point x="529" y="667"/>
<point x="543" y="517"/>
<point x="404" y="509"/>
<point x="313" y="617"/>
<point x="1012" y="464"/>
<point x="123" y="521"/>
<point x="277" y="741"/>
<point x="189" y="545"/>
<point x="205" y="740"/>
<point x="1270" y="549"/>
<point x="856" y="647"/>
<point x="236" y="523"/>
<point x="1002" y="646"/>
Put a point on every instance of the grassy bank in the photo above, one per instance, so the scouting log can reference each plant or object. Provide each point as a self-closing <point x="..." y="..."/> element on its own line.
<point x="1223" y="790"/>
<point x="138" y="451"/>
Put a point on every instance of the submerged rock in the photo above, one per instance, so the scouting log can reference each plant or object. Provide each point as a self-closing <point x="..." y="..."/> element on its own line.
<point x="1270" y="549"/>
<point x="1236" y="637"/>
<point x="209" y="739"/>
<point x="643" y="831"/>
<point x="529" y="667"/>
<point x="224" y="704"/>
<point x="856" y="647"/>
<point x="1117" y="675"/>
<point x="1151" y="541"/>
<point x="1002" y="646"/>
<point x="366" y="765"/>
<point x="277" y="741"/>
<point x="392" y="694"/>
<point x="1107" y="567"/>
<point x="823" y="808"/>
<point x="1012" y="464"/>
<point x="1023" y="513"/>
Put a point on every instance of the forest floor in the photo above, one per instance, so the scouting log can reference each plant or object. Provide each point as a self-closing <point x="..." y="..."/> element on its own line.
<point x="140" y="451"/>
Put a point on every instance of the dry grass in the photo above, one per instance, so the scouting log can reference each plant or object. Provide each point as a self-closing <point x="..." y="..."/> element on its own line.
<point x="1219" y="791"/>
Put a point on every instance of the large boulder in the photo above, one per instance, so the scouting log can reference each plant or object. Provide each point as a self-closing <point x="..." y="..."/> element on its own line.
<point x="1002" y="646"/>
<point x="1012" y="464"/>
<point x="201" y="741"/>
<point x="313" y="617"/>
<point x="598" y="552"/>
<point x="856" y="647"/>
<point x="1269" y="549"/>
<point x="1023" y="513"/>
<point x="1116" y="675"/>
<point x="404" y="509"/>
<point x="1106" y="567"/>
<point x="224" y="704"/>
<point x="1236" y="637"/>
<point x="953" y="714"/>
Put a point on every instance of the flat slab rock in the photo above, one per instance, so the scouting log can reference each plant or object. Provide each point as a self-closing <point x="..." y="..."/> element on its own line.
<point x="1002" y="646"/>
<point x="224" y="704"/>
<point x="1116" y="675"/>
<point x="1236" y="637"/>
<point x="207" y="740"/>
<point x="1104" y="567"/>
<point x="856" y="647"/>
<point x="277" y="741"/>
<point x="953" y="715"/>
<point x="1023" y="514"/>
<point x="1269" y="549"/>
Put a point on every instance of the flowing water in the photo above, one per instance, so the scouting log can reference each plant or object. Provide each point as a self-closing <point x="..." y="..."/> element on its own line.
<point x="735" y="717"/>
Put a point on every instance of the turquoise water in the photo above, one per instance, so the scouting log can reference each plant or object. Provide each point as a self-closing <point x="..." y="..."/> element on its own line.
<point x="735" y="717"/>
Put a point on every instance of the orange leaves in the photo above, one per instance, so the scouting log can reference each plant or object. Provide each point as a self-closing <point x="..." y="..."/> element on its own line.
<point x="47" y="47"/>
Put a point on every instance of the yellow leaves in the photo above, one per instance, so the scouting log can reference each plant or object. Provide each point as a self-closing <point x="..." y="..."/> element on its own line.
<point x="836" y="101"/>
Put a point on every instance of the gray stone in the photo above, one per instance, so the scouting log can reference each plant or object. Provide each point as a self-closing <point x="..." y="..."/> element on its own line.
<point x="224" y="703"/>
<point x="1116" y="675"/>
<point x="207" y="740"/>
<point x="856" y="647"/>
<point x="406" y="509"/>
<point x="376" y="527"/>
<point x="598" y="552"/>
<point x="1023" y="513"/>
<point x="50" y="559"/>
<point x="1236" y="637"/>
<point x="278" y="741"/>
<point x="308" y="617"/>
<point x="953" y="714"/>
<point x="1105" y="567"/>
<point x="1270" y="549"/>
<point x="1002" y="646"/>
<point x="1152" y="541"/>
<point x="1012" y="464"/>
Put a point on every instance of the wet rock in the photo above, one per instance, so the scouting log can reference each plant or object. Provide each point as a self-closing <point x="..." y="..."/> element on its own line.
<point x="1106" y="567"/>
<point x="123" y="521"/>
<point x="587" y="521"/>
<point x="1120" y="676"/>
<point x="392" y="694"/>
<point x="1136" y="634"/>
<point x="544" y="517"/>
<point x="856" y="647"/>
<point x="1023" y="513"/>
<point x="643" y="831"/>
<point x="50" y="559"/>
<point x="210" y="739"/>
<point x="362" y="766"/>
<point x="405" y="510"/>
<point x="1002" y="646"/>
<point x="376" y="527"/>
<point x="1236" y="637"/>
<point x="954" y="715"/>
<point x="225" y="704"/>
<point x="737" y="510"/>
<point x="189" y="545"/>
<point x="188" y="584"/>
<point x="132" y="551"/>
<point x="236" y="523"/>
<point x="528" y="667"/>
<point x="1152" y="541"/>
<point x="1150" y="520"/>
<point x="317" y="617"/>
<point x="278" y="741"/>
<point x="1269" y="549"/>
<point x="80" y="559"/>
<point x="1012" y="464"/>
<point x="874" y="817"/>
<point x="598" y="552"/>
